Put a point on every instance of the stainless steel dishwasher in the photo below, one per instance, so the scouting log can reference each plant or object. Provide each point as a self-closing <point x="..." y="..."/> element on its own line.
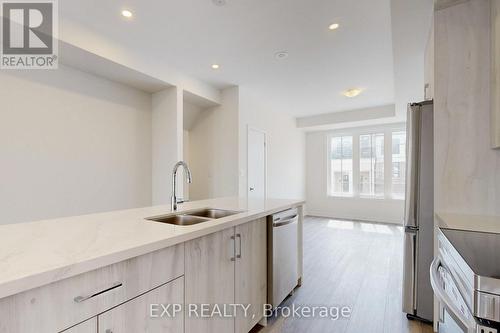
<point x="282" y="260"/>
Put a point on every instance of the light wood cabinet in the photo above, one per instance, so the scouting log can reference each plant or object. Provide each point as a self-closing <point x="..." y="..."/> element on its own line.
<point x="251" y="273"/>
<point x="225" y="268"/>
<point x="135" y="316"/>
<point x="89" y="326"/>
<point x="62" y="304"/>
<point x="209" y="274"/>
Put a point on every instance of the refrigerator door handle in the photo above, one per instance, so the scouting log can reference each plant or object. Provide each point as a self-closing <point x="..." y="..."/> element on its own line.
<point x="412" y="153"/>
<point x="409" y="272"/>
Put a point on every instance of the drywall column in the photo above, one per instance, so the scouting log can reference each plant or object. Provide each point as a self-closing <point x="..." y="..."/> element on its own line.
<point x="167" y="139"/>
<point x="225" y="176"/>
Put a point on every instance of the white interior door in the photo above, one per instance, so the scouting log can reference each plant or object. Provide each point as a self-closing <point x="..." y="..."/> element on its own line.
<point x="256" y="163"/>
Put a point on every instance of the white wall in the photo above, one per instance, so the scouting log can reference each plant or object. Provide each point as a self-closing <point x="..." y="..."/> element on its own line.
<point x="411" y="23"/>
<point x="185" y="157"/>
<point x="201" y="156"/>
<point x="213" y="149"/>
<point x="218" y="149"/>
<point x="320" y="204"/>
<point x="285" y="149"/>
<point x="191" y="114"/>
<point x="167" y="137"/>
<point x="82" y="144"/>
<point x="429" y="65"/>
<point x="70" y="144"/>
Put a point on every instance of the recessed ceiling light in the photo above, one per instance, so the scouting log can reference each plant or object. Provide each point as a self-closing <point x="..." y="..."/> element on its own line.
<point x="281" y="55"/>
<point x="334" y="26"/>
<point x="127" y="13"/>
<point x="219" y="2"/>
<point x="215" y="66"/>
<point x="352" y="92"/>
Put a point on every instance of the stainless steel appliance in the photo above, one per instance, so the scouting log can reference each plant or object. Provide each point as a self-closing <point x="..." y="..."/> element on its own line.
<point x="465" y="277"/>
<point x="283" y="255"/>
<point x="419" y="212"/>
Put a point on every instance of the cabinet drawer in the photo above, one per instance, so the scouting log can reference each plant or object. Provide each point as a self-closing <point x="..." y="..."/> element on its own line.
<point x="89" y="326"/>
<point x="135" y="316"/>
<point x="62" y="304"/>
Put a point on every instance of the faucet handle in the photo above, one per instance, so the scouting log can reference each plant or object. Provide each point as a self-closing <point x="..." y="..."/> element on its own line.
<point x="181" y="200"/>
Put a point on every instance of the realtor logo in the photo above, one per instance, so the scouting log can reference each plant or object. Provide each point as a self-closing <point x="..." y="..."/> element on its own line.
<point x="29" y="34"/>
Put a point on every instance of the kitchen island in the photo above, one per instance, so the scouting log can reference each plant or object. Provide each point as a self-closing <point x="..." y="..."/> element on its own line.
<point x="64" y="274"/>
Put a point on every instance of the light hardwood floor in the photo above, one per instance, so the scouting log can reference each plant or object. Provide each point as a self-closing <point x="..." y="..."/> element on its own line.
<point x="352" y="264"/>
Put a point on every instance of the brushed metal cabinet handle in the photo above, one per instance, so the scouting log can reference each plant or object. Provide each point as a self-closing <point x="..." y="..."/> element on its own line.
<point x="238" y="255"/>
<point x="233" y="248"/>
<point x="80" y="299"/>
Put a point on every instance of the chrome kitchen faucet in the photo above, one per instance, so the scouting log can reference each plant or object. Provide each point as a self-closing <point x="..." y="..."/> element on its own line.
<point x="189" y="179"/>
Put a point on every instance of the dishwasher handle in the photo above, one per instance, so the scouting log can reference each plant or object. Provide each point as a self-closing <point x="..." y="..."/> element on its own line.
<point x="288" y="220"/>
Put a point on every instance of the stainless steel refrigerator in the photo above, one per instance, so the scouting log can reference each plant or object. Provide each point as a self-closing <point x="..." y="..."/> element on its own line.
<point x="419" y="212"/>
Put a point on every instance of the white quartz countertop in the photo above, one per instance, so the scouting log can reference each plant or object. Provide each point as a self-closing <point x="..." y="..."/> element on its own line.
<point x="38" y="253"/>
<point x="490" y="224"/>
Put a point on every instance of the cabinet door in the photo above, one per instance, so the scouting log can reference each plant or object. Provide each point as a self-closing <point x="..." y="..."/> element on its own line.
<point x="251" y="273"/>
<point x="209" y="274"/>
<point x="89" y="326"/>
<point x="144" y="314"/>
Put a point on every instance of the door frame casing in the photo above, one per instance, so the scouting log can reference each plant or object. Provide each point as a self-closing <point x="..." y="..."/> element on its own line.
<point x="255" y="129"/>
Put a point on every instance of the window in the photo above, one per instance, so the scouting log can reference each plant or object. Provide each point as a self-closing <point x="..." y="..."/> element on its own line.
<point x="368" y="163"/>
<point x="398" y="164"/>
<point x="371" y="165"/>
<point x="341" y="176"/>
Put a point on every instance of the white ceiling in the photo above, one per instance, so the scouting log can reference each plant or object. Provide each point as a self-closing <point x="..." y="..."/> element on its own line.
<point x="243" y="37"/>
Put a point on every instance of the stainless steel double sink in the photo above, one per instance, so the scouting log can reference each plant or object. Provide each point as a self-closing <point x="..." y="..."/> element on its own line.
<point x="193" y="217"/>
